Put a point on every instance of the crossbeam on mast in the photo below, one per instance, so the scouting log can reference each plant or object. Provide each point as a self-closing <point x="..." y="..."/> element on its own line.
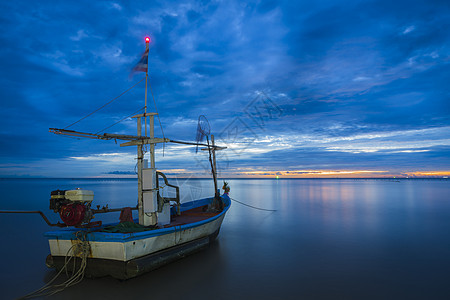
<point x="144" y="141"/>
<point x="104" y="136"/>
<point x="134" y="140"/>
<point x="76" y="133"/>
<point x="215" y="147"/>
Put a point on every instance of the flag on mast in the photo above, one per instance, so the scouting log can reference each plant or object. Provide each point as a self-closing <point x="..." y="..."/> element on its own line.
<point x="142" y="65"/>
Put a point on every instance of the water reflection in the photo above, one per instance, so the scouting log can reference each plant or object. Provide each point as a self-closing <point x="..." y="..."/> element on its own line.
<point x="328" y="239"/>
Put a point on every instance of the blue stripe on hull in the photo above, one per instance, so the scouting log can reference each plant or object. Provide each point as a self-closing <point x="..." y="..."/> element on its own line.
<point x="69" y="233"/>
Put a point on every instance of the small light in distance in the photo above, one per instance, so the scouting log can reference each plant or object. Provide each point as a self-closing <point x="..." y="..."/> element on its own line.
<point x="147" y="39"/>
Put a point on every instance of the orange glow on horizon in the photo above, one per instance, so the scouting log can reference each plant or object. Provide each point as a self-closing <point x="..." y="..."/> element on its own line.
<point x="314" y="174"/>
<point x="428" y="174"/>
<point x="241" y="173"/>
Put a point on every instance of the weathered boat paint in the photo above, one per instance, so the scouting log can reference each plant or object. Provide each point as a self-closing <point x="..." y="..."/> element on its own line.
<point x="123" y="254"/>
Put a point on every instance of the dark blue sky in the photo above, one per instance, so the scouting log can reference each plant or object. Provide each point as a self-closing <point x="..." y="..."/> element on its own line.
<point x="313" y="88"/>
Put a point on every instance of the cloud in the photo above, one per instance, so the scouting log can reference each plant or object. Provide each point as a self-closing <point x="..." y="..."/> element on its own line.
<point x="409" y="29"/>
<point x="116" y="6"/>
<point x="57" y="62"/>
<point x="362" y="84"/>
<point x="79" y="36"/>
<point x="120" y="173"/>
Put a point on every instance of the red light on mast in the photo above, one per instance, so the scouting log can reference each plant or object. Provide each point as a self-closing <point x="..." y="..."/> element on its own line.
<point x="147" y="39"/>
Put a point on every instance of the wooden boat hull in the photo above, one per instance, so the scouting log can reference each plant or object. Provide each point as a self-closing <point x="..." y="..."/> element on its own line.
<point x="97" y="267"/>
<point x="125" y="255"/>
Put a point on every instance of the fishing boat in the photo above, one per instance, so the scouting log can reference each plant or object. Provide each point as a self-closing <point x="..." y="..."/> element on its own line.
<point x="165" y="229"/>
<point x="125" y="255"/>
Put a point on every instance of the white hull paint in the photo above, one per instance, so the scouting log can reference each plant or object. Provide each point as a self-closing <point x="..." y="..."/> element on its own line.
<point x="139" y="247"/>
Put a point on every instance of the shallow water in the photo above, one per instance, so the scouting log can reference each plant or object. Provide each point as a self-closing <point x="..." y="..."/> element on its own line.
<point x="327" y="239"/>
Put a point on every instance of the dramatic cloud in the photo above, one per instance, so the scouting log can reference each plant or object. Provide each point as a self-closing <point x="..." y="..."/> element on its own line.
<point x="322" y="88"/>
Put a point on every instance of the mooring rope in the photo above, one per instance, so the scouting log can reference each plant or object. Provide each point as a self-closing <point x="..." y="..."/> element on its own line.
<point x="80" y="249"/>
<point x="265" y="209"/>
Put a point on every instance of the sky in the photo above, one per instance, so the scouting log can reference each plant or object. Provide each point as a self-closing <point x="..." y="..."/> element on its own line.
<point x="291" y="88"/>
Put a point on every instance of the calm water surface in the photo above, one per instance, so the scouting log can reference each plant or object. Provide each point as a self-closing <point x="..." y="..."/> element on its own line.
<point x="327" y="239"/>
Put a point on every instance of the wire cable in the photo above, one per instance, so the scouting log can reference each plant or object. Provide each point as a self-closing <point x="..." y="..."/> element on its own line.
<point x="120" y="120"/>
<point x="156" y="109"/>
<point x="252" y="206"/>
<point x="104" y="104"/>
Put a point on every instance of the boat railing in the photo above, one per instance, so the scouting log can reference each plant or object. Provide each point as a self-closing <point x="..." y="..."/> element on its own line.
<point x="162" y="200"/>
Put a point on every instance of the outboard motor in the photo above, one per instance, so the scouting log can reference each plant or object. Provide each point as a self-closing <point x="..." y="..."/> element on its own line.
<point x="73" y="206"/>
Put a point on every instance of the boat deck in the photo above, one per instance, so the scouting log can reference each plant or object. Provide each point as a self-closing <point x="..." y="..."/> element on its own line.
<point x="190" y="216"/>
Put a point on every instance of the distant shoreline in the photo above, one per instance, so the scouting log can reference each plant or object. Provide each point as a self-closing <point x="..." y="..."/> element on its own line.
<point x="231" y="178"/>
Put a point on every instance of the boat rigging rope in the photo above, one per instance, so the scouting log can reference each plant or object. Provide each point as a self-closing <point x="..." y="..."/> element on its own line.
<point x="80" y="249"/>
<point x="156" y="109"/>
<point x="98" y="132"/>
<point x="105" y="104"/>
<point x="252" y="206"/>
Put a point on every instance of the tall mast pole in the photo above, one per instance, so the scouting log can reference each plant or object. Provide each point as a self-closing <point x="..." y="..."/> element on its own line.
<point x="147" y="41"/>
<point x="140" y="157"/>
<point x="152" y="124"/>
<point x="214" y="168"/>
<point x="140" y="152"/>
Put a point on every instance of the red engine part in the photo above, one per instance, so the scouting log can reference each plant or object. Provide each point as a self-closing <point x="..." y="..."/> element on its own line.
<point x="72" y="214"/>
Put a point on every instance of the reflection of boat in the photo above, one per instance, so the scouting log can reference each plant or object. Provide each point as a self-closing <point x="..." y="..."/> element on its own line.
<point x="163" y="232"/>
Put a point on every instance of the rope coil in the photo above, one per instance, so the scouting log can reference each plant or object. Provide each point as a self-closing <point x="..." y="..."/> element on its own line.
<point x="80" y="249"/>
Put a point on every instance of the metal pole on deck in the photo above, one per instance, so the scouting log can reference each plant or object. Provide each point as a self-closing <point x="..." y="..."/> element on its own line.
<point x="152" y="145"/>
<point x="140" y="157"/>
<point x="147" y="41"/>
<point x="140" y="152"/>
<point x="214" y="166"/>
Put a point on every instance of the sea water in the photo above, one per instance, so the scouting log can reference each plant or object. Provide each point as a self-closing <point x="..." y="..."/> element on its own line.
<point x="324" y="239"/>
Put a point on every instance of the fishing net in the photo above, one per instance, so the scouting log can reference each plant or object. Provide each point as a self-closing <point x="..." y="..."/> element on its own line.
<point x="126" y="227"/>
<point x="203" y="130"/>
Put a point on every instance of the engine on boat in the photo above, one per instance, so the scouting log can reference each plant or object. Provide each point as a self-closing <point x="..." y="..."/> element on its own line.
<point x="73" y="206"/>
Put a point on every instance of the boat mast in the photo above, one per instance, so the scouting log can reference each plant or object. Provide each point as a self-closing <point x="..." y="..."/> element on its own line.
<point x="217" y="203"/>
<point x="151" y="116"/>
<point x="214" y="167"/>
<point x="147" y="41"/>
<point x="148" y="218"/>
<point x="140" y="152"/>
<point x="149" y="208"/>
<point x="145" y="218"/>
